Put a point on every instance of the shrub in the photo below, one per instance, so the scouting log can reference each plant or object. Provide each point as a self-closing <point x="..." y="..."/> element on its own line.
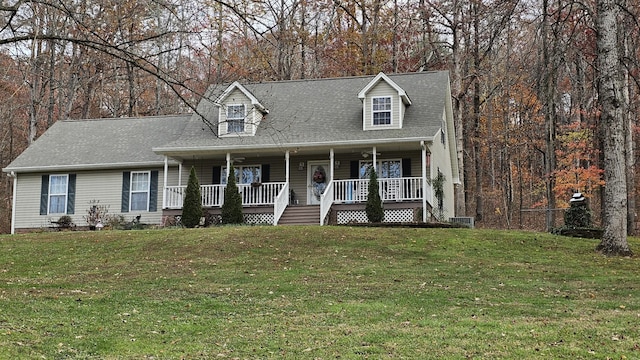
<point x="96" y="213"/>
<point x="232" y="207"/>
<point x="192" y="207"/>
<point x="374" y="209"/>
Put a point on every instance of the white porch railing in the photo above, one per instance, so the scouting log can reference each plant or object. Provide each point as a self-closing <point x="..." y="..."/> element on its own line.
<point x="280" y="203"/>
<point x="326" y="199"/>
<point x="392" y="189"/>
<point x="213" y="195"/>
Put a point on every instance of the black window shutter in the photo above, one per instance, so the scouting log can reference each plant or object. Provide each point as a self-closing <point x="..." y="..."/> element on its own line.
<point x="406" y="167"/>
<point x="217" y="171"/>
<point x="266" y="173"/>
<point x="354" y="169"/>
<point x="44" y="195"/>
<point x="126" y="183"/>
<point x="153" y="192"/>
<point x="71" y="194"/>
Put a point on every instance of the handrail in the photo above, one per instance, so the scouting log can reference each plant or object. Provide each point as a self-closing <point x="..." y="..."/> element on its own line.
<point x="326" y="200"/>
<point x="280" y="203"/>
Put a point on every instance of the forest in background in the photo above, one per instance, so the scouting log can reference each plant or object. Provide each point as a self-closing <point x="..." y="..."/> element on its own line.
<point x="523" y="77"/>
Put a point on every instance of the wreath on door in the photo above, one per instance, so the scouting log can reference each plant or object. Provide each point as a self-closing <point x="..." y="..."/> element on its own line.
<point x="319" y="182"/>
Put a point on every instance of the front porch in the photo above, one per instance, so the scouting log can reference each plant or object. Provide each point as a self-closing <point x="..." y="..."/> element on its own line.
<point x="266" y="202"/>
<point x="269" y="184"/>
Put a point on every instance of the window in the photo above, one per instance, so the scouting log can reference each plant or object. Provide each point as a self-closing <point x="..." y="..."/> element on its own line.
<point x="235" y="118"/>
<point x="58" y="194"/>
<point x="386" y="168"/>
<point x="244" y="174"/>
<point x="58" y="185"/>
<point x="140" y="191"/>
<point x="382" y="110"/>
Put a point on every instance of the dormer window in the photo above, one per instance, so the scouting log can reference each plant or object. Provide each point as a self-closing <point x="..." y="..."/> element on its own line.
<point x="381" y="110"/>
<point x="235" y="118"/>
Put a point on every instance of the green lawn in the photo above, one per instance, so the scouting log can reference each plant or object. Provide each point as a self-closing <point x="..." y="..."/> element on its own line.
<point x="315" y="293"/>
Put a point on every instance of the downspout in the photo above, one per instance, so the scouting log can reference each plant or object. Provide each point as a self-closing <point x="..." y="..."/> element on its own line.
<point x="424" y="181"/>
<point x="164" y="184"/>
<point x="13" y="202"/>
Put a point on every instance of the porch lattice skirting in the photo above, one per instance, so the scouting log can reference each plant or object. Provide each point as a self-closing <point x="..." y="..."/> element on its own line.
<point x="360" y="216"/>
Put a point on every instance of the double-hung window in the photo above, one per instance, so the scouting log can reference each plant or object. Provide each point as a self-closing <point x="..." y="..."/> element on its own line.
<point x="246" y="174"/>
<point x="58" y="189"/>
<point x="235" y="118"/>
<point x="140" y="186"/>
<point x="381" y="110"/>
<point x="385" y="168"/>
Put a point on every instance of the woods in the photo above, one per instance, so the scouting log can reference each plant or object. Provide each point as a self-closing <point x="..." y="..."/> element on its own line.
<point x="545" y="91"/>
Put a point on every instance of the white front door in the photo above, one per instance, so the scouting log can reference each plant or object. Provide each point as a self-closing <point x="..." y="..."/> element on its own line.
<point x="318" y="175"/>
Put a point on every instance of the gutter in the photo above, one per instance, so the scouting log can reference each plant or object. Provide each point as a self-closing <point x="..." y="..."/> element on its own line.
<point x="84" y="167"/>
<point x="283" y="146"/>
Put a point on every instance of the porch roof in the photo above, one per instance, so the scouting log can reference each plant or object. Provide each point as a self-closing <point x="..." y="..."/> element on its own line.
<point x="321" y="113"/>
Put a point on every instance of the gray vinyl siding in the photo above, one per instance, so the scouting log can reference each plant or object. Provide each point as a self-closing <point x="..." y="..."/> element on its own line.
<point x="104" y="186"/>
<point x="382" y="89"/>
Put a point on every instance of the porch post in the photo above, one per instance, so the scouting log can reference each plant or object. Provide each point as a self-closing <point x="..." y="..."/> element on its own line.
<point x="164" y="184"/>
<point x="375" y="160"/>
<point x="228" y="164"/>
<point x="180" y="174"/>
<point x="287" y="166"/>
<point x="331" y="166"/>
<point x="424" y="181"/>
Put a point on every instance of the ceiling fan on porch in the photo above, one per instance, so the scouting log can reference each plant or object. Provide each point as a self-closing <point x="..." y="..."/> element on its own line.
<point x="238" y="159"/>
<point x="367" y="153"/>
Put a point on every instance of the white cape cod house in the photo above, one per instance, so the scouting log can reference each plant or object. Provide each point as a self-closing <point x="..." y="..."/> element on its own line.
<point x="301" y="151"/>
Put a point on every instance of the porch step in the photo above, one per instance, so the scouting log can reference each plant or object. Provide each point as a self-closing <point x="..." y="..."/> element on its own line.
<point x="301" y="215"/>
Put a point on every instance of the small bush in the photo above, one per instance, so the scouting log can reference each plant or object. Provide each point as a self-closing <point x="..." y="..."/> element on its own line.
<point x="192" y="207"/>
<point x="374" y="209"/>
<point x="232" y="207"/>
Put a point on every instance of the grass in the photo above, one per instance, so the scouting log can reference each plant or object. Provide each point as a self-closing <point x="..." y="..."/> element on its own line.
<point x="315" y="293"/>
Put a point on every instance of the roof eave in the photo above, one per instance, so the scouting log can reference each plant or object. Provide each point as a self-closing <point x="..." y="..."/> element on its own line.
<point x="84" y="167"/>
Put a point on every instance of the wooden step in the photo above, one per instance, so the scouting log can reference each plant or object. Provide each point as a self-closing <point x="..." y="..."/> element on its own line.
<point x="301" y="215"/>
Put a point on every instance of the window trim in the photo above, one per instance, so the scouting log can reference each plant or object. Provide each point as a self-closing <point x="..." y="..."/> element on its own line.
<point x="147" y="191"/>
<point x="232" y="121"/>
<point x="65" y="194"/>
<point x="374" y="111"/>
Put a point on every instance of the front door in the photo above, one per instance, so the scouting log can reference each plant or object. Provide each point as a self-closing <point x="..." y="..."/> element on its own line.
<point x="317" y="180"/>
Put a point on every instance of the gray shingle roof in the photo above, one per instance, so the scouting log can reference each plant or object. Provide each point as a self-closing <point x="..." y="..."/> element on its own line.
<point x="301" y="113"/>
<point x="102" y="143"/>
<point x="306" y="112"/>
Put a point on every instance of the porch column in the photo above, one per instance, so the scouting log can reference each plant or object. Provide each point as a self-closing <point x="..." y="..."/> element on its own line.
<point x="228" y="164"/>
<point x="164" y="184"/>
<point x="180" y="174"/>
<point x="331" y="166"/>
<point x="375" y="160"/>
<point x="424" y="181"/>
<point x="286" y="166"/>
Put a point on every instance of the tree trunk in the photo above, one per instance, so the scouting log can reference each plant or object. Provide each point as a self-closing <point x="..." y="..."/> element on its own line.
<point x="612" y="102"/>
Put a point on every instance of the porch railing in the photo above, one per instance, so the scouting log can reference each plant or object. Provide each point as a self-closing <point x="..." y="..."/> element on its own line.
<point x="392" y="189"/>
<point x="213" y="195"/>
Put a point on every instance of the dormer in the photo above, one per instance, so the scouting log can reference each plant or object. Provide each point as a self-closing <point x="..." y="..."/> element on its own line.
<point x="240" y="112"/>
<point x="383" y="104"/>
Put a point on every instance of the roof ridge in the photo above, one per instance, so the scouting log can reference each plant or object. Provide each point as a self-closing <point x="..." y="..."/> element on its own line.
<point x="125" y="118"/>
